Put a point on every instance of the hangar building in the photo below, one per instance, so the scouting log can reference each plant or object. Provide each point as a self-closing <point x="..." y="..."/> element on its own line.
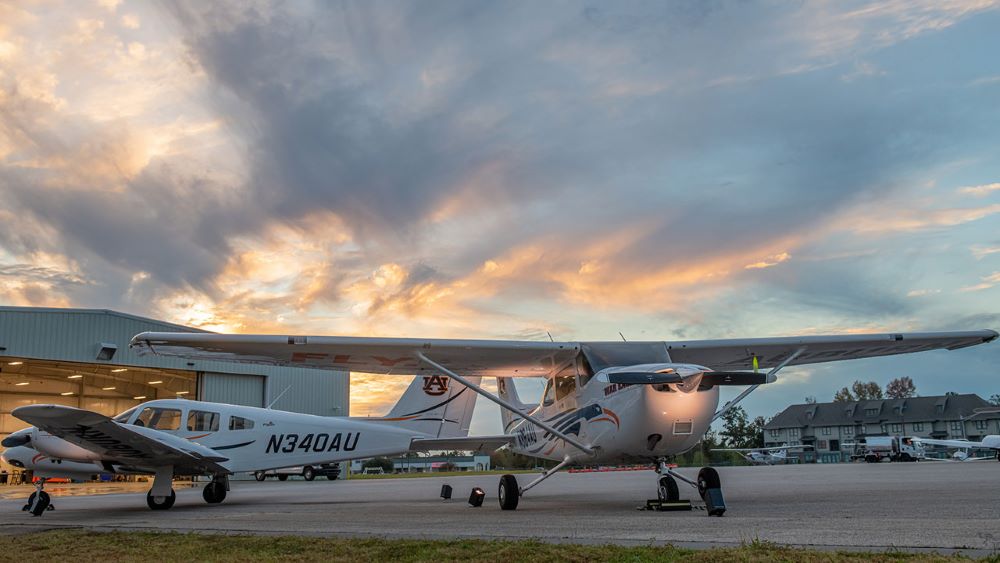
<point x="81" y="358"/>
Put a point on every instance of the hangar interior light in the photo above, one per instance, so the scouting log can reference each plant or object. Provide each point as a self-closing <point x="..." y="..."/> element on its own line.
<point x="75" y="376"/>
<point x="66" y="394"/>
<point x="14" y="363"/>
<point x="156" y="382"/>
<point x="21" y="383"/>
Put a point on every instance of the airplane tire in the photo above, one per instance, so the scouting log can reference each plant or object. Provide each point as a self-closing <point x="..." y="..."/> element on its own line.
<point x="165" y="504"/>
<point x="38" y="502"/>
<point x="282" y="477"/>
<point x="259" y="475"/>
<point x="214" y="493"/>
<point x="508" y="493"/>
<point x="667" y="489"/>
<point x="308" y="473"/>
<point x="708" y="478"/>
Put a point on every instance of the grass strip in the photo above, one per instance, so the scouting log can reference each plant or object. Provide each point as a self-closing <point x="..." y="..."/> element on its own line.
<point x="80" y="545"/>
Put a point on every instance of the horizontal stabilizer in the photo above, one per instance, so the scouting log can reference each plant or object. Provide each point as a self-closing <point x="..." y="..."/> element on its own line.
<point x="470" y="443"/>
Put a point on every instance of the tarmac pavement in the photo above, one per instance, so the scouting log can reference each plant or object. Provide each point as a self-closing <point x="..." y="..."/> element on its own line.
<point x="911" y="506"/>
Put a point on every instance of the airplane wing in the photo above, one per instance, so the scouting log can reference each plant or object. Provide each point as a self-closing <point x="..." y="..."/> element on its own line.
<point x="739" y="353"/>
<point x="122" y="444"/>
<point x="762" y="450"/>
<point x="473" y="443"/>
<point x="951" y="443"/>
<point x="362" y="354"/>
<point x="509" y="358"/>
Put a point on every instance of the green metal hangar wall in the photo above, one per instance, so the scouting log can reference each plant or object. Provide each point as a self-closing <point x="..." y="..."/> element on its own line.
<point x="81" y="358"/>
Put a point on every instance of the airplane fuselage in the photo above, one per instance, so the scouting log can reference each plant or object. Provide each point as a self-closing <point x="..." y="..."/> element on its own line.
<point x="250" y="438"/>
<point x="623" y="423"/>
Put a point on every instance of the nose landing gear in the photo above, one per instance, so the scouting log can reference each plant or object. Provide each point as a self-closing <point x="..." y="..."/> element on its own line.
<point x="709" y="487"/>
<point x="39" y="501"/>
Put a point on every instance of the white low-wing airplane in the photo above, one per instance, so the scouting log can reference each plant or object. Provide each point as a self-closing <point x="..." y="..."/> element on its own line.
<point x="169" y="437"/>
<point x="763" y="456"/>
<point x="990" y="442"/>
<point x="604" y="402"/>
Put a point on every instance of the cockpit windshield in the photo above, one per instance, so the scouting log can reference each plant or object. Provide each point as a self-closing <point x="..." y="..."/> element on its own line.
<point x="159" y="418"/>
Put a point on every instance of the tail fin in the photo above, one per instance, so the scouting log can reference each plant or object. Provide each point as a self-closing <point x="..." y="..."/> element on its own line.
<point x="507" y="392"/>
<point x="435" y="405"/>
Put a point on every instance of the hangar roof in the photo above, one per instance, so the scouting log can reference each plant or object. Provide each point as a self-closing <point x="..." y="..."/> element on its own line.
<point x="913" y="409"/>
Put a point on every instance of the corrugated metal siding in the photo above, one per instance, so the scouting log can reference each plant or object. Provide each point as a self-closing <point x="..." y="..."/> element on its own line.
<point x="245" y="390"/>
<point x="73" y="335"/>
<point x="310" y="393"/>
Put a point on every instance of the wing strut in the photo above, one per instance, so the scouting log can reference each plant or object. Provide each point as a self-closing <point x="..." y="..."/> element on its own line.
<point x="503" y="404"/>
<point x="770" y="375"/>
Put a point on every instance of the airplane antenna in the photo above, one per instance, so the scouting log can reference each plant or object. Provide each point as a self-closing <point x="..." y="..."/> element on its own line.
<point x="550" y="336"/>
<point x="271" y="404"/>
<point x="622" y="335"/>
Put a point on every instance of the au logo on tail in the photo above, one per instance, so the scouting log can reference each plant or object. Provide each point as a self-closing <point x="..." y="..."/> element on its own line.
<point x="435" y="385"/>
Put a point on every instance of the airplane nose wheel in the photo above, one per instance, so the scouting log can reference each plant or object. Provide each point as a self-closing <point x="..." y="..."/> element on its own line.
<point x="39" y="501"/>
<point x="160" y="503"/>
<point x="710" y="489"/>
<point x="508" y="493"/>
<point x="667" y="491"/>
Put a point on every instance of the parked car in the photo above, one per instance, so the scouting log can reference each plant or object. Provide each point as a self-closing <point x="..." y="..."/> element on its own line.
<point x="308" y="472"/>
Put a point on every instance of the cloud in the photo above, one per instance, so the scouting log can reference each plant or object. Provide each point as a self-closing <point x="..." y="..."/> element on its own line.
<point x="496" y="171"/>
<point x="982" y="190"/>
<point x="986" y="283"/>
<point x="768" y="262"/>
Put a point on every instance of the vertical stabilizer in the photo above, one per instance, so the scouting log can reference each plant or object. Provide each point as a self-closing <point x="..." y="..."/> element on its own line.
<point x="435" y="405"/>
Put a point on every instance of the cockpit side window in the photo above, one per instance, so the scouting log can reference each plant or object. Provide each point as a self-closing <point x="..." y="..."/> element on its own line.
<point x="123" y="417"/>
<point x="565" y="385"/>
<point x="549" y="396"/>
<point x="203" y="421"/>
<point x="159" y="418"/>
<point x="240" y="423"/>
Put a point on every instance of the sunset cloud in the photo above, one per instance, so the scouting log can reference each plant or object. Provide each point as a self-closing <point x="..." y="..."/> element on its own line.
<point x="503" y="171"/>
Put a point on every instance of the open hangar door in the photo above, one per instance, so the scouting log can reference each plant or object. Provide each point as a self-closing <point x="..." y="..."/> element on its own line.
<point x="102" y="388"/>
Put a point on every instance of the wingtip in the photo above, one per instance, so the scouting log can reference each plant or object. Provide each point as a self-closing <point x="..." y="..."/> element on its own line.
<point x="992" y="336"/>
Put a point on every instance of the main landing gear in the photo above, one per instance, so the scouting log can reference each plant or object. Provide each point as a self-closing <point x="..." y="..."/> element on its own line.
<point x="38" y="501"/>
<point x="215" y="492"/>
<point x="162" y="496"/>
<point x="509" y="493"/>
<point x="708" y="484"/>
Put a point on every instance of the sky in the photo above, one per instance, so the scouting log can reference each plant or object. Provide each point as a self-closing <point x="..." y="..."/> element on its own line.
<point x="663" y="170"/>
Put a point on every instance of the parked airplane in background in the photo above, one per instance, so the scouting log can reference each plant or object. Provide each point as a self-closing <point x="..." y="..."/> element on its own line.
<point x="763" y="456"/>
<point x="603" y="402"/>
<point x="991" y="442"/>
<point x="171" y="437"/>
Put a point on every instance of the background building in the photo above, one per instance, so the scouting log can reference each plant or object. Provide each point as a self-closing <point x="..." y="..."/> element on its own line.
<point x="828" y="426"/>
<point x="81" y="358"/>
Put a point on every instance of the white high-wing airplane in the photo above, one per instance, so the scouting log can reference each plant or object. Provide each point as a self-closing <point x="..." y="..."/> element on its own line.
<point x="169" y="437"/>
<point x="763" y="456"/>
<point x="604" y="402"/>
<point x="990" y="442"/>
